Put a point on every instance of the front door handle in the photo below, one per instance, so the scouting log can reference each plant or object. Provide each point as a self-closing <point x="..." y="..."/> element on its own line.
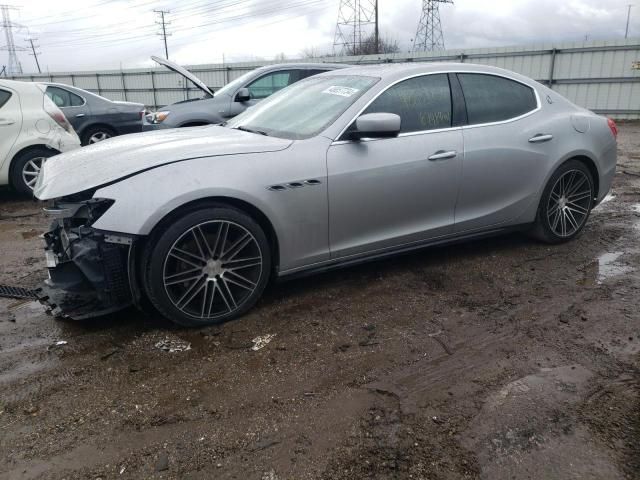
<point x="80" y="115"/>
<point x="6" y="121"/>
<point x="541" y="138"/>
<point x="443" y="155"/>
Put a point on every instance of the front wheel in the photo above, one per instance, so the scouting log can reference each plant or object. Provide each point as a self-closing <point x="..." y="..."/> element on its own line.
<point x="565" y="204"/>
<point x="211" y="265"/>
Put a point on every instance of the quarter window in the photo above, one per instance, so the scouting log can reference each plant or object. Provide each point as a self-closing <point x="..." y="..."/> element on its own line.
<point x="4" y="97"/>
<point x="63" y="98"/>
<point x="423" y="103"/>
<point x="271" y="83"/>
<point x="493" y="99"/>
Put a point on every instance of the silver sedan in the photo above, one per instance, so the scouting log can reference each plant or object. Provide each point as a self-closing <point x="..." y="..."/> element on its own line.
<point x="340" y="168"/>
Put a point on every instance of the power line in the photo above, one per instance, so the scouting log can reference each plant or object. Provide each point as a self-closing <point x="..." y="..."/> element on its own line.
<point x="164" y="33"/>
<point x="429" y="35"/>
<point x="626" y="32"/>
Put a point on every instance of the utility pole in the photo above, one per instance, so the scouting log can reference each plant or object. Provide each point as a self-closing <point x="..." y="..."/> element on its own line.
<point x="163" y="23"/>
<point x="626" y="32"/>
<point x="377" y="31"/>
<point x="35" y="54"/>
<point x="13" y="67"/>
<point x="429" y="35"/>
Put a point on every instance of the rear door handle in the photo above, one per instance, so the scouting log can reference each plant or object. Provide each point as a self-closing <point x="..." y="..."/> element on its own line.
<point x="443" y="155"/>
<point x="541" y="138"/>
<point x="6" y="121"/>
<point x="80" y="115"/>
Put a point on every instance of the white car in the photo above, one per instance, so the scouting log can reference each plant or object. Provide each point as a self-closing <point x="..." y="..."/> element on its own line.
<point x="32" y="129"/>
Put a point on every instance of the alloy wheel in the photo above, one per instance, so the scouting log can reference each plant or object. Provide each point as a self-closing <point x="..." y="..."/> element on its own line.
<point x="212" y="269"/>
<point x="569" y="203"/>
<point x="98" y="137"/>
<point x="31" y="170"/>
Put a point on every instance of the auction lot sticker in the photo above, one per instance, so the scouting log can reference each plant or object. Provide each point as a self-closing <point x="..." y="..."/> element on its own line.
<point x="342" y="91"/>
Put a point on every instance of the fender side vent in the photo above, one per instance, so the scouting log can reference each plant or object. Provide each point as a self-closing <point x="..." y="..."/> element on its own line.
<point x="277" y="188"/>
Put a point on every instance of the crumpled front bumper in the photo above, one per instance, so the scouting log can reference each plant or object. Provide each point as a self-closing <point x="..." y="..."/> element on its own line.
<point x="88" y="269"/>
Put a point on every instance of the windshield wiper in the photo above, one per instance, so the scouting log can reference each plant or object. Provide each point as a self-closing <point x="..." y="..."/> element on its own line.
<point x="251" y="130"/>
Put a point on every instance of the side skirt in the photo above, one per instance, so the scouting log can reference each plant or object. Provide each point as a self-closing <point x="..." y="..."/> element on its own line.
<point x="393" y="251"/>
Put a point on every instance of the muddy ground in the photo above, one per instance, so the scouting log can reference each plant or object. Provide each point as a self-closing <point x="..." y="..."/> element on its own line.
<point x="498" y="359"/>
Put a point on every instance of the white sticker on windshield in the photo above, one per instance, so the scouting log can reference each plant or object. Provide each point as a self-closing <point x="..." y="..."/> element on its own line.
<point x="342" y="91"/>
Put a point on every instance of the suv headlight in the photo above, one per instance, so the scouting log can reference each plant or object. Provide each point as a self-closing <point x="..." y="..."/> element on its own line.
<point x="157" y="117"/>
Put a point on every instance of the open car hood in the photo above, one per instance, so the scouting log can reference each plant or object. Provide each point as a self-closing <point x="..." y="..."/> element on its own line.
<point x="184" y="72"/>
<point x="111" y="160"/>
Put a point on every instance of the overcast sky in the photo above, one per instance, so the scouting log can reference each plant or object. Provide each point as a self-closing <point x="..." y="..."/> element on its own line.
<point x="104" y="34"/>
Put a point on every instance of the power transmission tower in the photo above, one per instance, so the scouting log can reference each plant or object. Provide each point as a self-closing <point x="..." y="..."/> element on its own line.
<point x="34" y="53"/>
<point x="163" y="23"/>
<point x="429" y="34"/>
<point x="13" y="67"/>
<point x="626" y="32"/>
<point x="357" y="27"/>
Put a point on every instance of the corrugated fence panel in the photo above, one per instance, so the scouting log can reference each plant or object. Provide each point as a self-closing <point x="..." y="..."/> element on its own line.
<point x="596" y="75"/>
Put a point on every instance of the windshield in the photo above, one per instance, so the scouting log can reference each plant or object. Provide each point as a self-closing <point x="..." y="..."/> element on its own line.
<point x="305" y="108"/>
<point x="230" y="88"/>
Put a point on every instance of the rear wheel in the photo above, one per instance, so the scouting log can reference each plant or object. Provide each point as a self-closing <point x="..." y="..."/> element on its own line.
<point x="565" y="204"/>
<point x="26" y="167"/>
<point x="96" y="134"/>
<point x="209" y="266"/>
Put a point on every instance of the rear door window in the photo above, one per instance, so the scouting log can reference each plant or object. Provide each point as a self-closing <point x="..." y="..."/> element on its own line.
<point x="63" y="98"/>
<point x="490" y="98"/>
<point x="270" y="83"/>
<point x="4" y="97"/>
<point x="423" y="103"/>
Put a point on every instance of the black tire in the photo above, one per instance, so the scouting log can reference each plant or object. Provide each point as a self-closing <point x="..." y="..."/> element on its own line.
<point x="23" y="168"/>
<point x="554" y="210"/>
<point x="96" y="130"/>
<point x="171" y="277"/>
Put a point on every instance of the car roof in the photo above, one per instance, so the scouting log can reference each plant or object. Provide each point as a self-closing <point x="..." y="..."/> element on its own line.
<point x="394" y="71"/>
<point x="20" y="86"/>
<point x="306" y="65"/>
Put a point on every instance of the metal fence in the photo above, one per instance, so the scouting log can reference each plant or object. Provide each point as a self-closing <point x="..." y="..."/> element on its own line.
<point x="601" y="76"/>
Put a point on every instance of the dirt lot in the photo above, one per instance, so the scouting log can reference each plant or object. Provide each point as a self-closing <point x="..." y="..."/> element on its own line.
<point x="497" y="359"/>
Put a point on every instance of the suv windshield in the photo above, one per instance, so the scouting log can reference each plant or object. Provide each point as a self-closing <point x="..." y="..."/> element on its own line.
<point x="305" y="108"/>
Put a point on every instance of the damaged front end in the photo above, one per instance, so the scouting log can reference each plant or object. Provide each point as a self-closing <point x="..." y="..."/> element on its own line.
<point x="88" y="268"/>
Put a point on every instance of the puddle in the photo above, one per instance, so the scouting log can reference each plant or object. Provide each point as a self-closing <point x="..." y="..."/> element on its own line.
<point x="609" y="266"/>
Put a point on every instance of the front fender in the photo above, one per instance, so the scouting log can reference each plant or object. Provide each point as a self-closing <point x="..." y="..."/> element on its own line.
<point x="299" y="216"/>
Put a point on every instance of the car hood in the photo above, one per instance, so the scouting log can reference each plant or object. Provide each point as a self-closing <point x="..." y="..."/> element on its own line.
<point x="184" y="72"/>
<point x="111" y="160"/>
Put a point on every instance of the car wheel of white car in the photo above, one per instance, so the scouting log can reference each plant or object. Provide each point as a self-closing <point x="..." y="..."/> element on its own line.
<point x="26" y="168"/>
<point x="565" y="204"/>
<point x="209" y="266"/>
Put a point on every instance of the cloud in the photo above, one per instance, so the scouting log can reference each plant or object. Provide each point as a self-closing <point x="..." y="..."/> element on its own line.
<point x="101" y="34"/>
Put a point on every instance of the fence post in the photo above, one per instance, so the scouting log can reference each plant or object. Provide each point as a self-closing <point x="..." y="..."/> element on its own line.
<point x="153" y="87"/>
<point x="552" y="67"/>
<point x="73" y="81"/>
<point x="124" y="86"/>
<point x="98" y="84"/>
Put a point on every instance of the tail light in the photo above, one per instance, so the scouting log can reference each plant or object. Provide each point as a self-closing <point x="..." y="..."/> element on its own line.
<point x="613" y="127"/>
<point x="56" y="114"/>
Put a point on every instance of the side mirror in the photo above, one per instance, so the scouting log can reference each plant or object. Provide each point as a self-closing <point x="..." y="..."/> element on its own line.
<point x="243" y="95"/>
<point x="377" y="125"/>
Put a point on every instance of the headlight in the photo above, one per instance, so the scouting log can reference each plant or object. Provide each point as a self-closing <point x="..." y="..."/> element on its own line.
<point x="157" y="117"/>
